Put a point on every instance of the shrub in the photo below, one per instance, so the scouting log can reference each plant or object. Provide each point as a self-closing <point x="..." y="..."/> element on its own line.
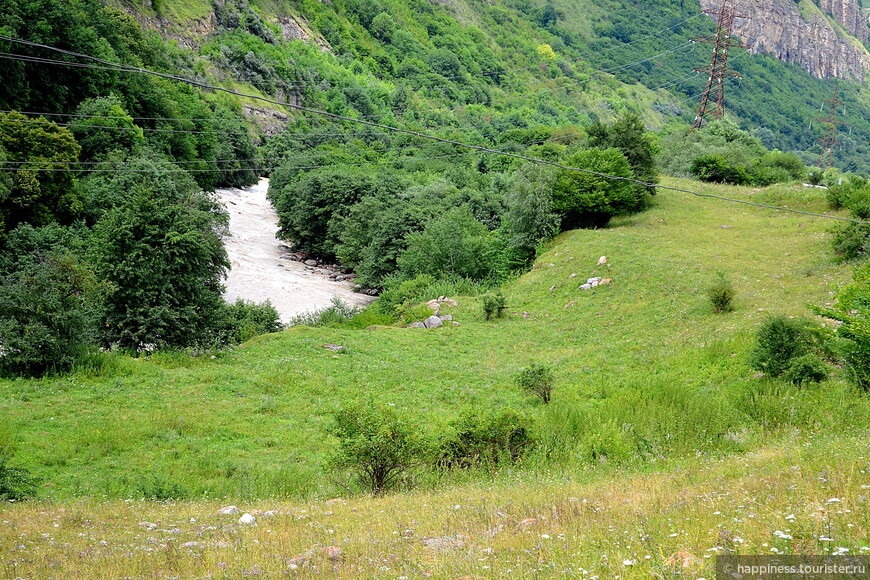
<point x="853" y="334"/>
<point x="806" y="369"/>
<point x="852" y="241"/>
<point x="585" y="198"/>
<point x="538" y="380"/>
<point x="46" y="300"/>
<point x="721" y="295"/>
<point x="716" y="168"/>
<point x="493" y="305"/>
<point x="485" y="439"/>
<point x="16" y="484"/>
<point x="454" y="243"/>
<point x="779" y="341"/>
<point x="246" y="319"/>
<point x="335" y="315"/>
<point x="377" y="446"/>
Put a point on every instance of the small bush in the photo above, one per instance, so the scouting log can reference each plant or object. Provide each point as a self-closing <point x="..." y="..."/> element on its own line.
<point x="716" y="168"/>
<point x="538" y="380"/>
<point x="16" y="484"/>
<point x="721" y="295"/>
<point x="852" y="241"/>
<point x="780" y="340"/>
<point x="494" y="305"/>
<point x="806" y="369"/>
<point x="486" y="439"/>
<point x="337" y="314"/>
<point x="245" y="320"/>
<point x="377" y="446"/>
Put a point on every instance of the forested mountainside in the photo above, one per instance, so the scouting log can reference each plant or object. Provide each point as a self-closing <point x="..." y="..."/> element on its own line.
<point x="469" y="66"/>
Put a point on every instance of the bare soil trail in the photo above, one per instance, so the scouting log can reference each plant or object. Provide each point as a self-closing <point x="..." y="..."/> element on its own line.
<point x="258" y="271"/>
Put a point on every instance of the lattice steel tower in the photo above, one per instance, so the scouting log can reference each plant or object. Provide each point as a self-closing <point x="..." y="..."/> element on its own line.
<point x="722" y="43"/>
<point x="829" y="139"/>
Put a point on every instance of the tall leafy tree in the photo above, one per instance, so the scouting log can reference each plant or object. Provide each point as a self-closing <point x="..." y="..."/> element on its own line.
<point x="162" y="253"/>
<point x="43" y="188"/>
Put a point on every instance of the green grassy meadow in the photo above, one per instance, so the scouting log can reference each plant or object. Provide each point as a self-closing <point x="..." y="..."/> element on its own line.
<point x="660" y="438"/>
<point x="645" y="370"/>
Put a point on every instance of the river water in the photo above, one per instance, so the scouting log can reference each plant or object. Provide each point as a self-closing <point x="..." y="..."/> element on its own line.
<point x="258" y="272"/>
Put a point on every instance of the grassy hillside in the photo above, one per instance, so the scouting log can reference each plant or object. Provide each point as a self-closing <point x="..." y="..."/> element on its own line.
<point x="700" y="455"/>
<point x="644" y="369"/>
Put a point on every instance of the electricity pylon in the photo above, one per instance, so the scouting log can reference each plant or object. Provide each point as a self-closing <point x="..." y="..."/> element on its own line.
<point x="722" y="43"/>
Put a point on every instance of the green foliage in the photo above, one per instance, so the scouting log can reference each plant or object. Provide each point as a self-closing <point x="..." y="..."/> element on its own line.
<point x="311" y="209"/>
<point x="16" y="483"/>
<point x="46" y="300"/>
<point x="852" y="343"/>
<point x="538" y="380"/>
<point x="852" y="241"/>
<point x="530" y="217"/>
<point x="485" y="439"/>
<point x="589" y="200"/>
<point x="41" y="191"/>
<point x="715" y="168"/>
<point x="493" y="305"/>
<point x="337" y="314"/>
<point x="377" y="446"/>
<point x="103" y="127"/>
<point x="243" y="320"/>
<point x="805" y="369"/>
<point x="779" y="341"/>
<point x="454" y="243"/>
<point x="163" y="256"/>
<point x="629" y="135"/>
<point x="721" y="295"/>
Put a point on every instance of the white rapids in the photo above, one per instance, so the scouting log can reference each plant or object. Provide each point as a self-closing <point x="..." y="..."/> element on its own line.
<point x="258" y="272"/>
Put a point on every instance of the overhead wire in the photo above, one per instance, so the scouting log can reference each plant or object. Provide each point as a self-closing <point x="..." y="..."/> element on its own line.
<point x="418" y="134"/>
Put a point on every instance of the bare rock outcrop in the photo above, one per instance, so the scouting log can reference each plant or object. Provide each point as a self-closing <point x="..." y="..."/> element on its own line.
<point x="810" y="40"/>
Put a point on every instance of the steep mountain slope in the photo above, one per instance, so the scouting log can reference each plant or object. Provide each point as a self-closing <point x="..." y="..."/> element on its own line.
<point x="386" y="50"/>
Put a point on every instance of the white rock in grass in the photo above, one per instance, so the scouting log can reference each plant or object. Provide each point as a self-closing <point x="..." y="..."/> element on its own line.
<point x="247" y="519"/>
<point x="229" y="510"/>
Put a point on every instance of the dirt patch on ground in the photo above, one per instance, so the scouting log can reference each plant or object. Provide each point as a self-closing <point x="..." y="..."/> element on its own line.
<point x="258" y="272"/>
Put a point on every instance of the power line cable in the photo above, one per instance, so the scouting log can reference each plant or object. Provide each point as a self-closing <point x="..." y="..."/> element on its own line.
<point x="420" y="135"/>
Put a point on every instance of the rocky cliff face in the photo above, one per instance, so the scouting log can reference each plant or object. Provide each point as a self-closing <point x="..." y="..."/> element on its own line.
<point x="777" y="27"/>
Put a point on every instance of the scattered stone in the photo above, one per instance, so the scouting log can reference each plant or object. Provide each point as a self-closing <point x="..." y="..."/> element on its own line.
<point x="602" y="260"/>
<point x="725" y="227"/>
<point x="586" y="287"/>
<point x="333" y="553"/>
<point x="300" y="561"/>
<point x="605" y="281"/>
<point x="594" y="280"/>
<point x="434" y="304"/>
<point x="247" y="519"/>
<point x="310" y="262"/>
<point x="455" y="323"/>
<point x="148" y="525"/>
<point x="417" y="325"/>
<point x="345" y="278"/>
<point x="335" y="501"/>
<point x="446" y="317"/>
<point x="223" y="544"/>
<point x="229" y="510"/>
<point x="572" y="276"/>
<point x="271" y="514"/>
<point x="433" y="322"/>
<point x="333" y="347"/>
<point x="445" y="543"/>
